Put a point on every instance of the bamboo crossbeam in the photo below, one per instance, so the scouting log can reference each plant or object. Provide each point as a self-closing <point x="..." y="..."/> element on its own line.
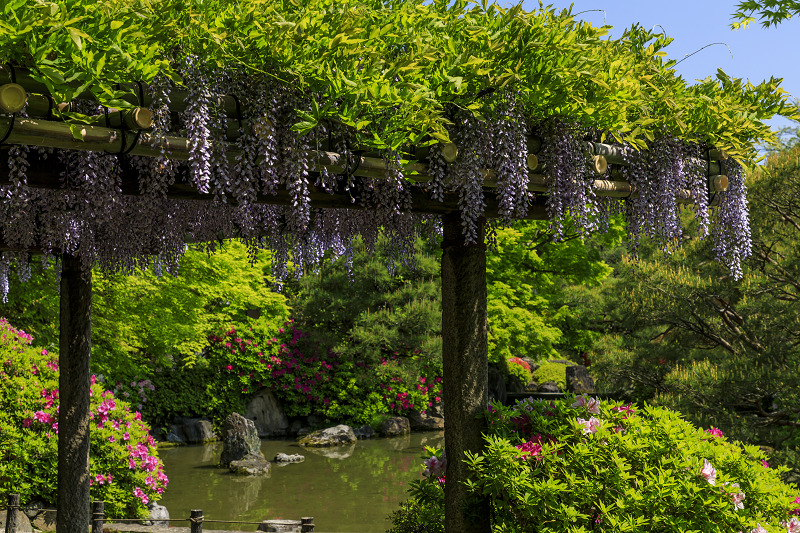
<point x="137" y="118"/>
<point x="59" y="135"/>
<point x="12" y="98"/>
<point x="179" y="98"/>
<point x="615" y="155"/>
<point x="43" y="174"/>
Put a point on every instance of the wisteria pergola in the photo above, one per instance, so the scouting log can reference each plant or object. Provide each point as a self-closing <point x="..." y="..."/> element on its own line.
<point x="354" y="121"/>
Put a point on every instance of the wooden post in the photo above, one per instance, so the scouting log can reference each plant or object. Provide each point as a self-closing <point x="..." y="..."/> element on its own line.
<point x="465" y="365"/>
<point x="307" y="524"/>
<point x="98" y="516"/>
<point x="196" y="520"/>
<point x="75" y="342"/>
<point x="12" y="518"/>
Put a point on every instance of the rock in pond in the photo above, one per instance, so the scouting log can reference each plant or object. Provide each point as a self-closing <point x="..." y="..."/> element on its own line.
<point x="250" y="465"/>
<point x="334" y="436"/>
<point x="239" y="440"/>
<point x="395" y="426"/>
<point x="286" y="458"/>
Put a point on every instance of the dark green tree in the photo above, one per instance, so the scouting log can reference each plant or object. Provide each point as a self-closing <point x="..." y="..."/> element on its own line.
<point x="680" y="332"/>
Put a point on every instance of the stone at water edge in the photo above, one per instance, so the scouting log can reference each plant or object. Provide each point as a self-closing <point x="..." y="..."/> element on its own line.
<point x="280" y="526"/>
<point x="190" y="430"/>
<point x="364" y="432"/>
<point x="425" y="422"/>
<point x="268" y="415"/>
<point x="395" y="426"/>
<point x="579" y="381"/>
<point x="549" y="386"/>
<point x="23" y="523"/>
<point x="239" y="440"/>
<point x="286" y="458"/>
<point x="333" y="436"/>
<point x="158" y="515"/>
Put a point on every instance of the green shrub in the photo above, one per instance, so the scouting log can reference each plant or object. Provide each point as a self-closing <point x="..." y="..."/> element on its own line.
<point x="125" y="470"/>
<point x="595" y="466"/>
<point x="556" y="372"/>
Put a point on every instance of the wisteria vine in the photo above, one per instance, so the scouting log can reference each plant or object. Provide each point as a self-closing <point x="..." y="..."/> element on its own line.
<point x="244" y="161"/>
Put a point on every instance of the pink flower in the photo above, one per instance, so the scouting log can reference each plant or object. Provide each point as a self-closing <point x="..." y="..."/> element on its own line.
<point x="126" y="436"/>
<point x="592" y="404"/>
<point x="100" y="478"/>
<point x="708" y="472"/>
<point x="435" y="466"/>
<point x="766" y="464"/>
<point x="738" y="498"/>
<point x="530" y="449"/>
<point x="714" y="432"/>
<point x="111" y="439"/>
<point x="229" y="367"/>
<point x="589" y="426"/>
<point x="27" y="422"/>
<point x="41" y="416"/>
<point x="793" y="526"/>
<point x="758" y="529"/>
<point x="139" y="493"/>
<point x="108" y="479"/>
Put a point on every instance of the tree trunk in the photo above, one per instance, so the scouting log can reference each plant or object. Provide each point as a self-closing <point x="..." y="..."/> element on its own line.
<point x="465" y="362"/>
<point x="73" y="384"/>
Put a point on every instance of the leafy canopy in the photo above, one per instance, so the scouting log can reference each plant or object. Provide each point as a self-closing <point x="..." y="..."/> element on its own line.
<point x="389" y="69"/>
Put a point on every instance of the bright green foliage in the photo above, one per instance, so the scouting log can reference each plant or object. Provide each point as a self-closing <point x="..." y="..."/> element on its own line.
<point x="389" y="69"/>
<point x="143" y="319"/>
<point x="770" y="12"/>
<point x="33" y="305"/>
<point x="124" y="466"/>
<point x="521" y="369"/>
<point x="601" y="466"/>
<point x="526" y="303"/>
<point x="556" y="372"/>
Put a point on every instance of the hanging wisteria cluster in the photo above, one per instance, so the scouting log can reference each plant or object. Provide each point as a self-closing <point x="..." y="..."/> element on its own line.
<point x="244" y="165"/>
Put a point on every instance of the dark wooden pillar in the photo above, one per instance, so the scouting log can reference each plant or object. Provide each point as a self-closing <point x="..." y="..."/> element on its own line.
<point x="73" y="385"/>
<point x="465" y="362"/>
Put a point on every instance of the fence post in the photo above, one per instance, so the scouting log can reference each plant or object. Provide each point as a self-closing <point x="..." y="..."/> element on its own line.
<point x="12" y="519"/>
<point x="307" y="524"/>
<point x="98" y="516"/>
<point x="196" y="520"/>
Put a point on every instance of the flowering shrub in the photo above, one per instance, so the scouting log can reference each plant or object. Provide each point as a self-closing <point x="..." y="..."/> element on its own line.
<point x="520" y="368"/>
<point x="125" y="470"/>
<point x="309" y="379"/>
<point x="586" y="465"/>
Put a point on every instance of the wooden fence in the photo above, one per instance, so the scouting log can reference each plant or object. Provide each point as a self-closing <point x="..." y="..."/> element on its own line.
<point x="196" y="519"/>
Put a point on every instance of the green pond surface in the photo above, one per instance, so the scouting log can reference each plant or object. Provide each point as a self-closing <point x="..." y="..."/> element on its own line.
<point x="346" y="489"/>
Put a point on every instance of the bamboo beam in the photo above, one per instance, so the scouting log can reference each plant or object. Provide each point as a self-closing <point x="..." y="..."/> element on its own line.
<point x="137" y="118"/>
<point x="12" y="98"/>
<point x="179" y="98"/>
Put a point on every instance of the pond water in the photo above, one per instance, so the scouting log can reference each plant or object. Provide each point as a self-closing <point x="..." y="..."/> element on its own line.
<point x="346" y="489"/>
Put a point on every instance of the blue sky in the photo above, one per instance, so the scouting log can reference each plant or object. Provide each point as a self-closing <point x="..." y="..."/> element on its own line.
<point x="752" y="53"/>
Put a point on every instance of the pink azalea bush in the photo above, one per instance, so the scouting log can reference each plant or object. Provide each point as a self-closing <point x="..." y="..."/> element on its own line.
<point x="309" y="379"/>
<point x="584" y="464"/>
<point x="125" y="470"/>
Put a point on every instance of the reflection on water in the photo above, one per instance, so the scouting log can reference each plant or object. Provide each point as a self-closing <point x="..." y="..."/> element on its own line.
<point x="349" y="488"/>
